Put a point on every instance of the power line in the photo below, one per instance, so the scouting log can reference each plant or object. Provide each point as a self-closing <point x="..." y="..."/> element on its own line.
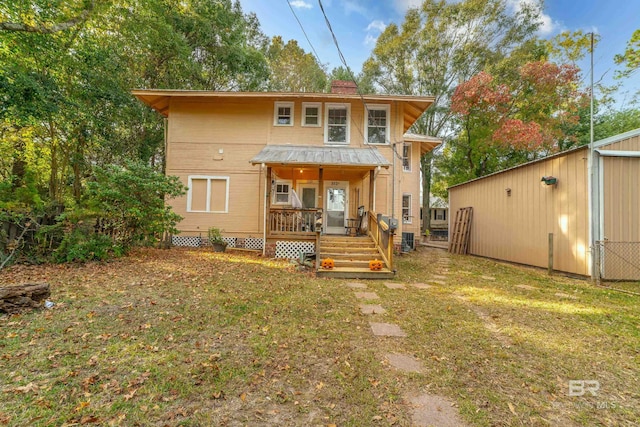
<point x="305" y="33"/>
<point x="344" y="62"/>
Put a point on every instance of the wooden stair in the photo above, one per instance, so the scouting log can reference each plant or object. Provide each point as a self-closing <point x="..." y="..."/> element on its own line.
<point x="351" y="256"/>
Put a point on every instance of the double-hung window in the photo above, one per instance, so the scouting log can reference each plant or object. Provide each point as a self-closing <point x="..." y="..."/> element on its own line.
<point x="311" y="115"/>
<point x="208" y="194"/>
<point x="282" y="193"/>
<point x="283" y="114"/>
<point x="377" y="124"/>
<point x="406" y="157"/>
<point x="406" y="208"/>
<point x="337" y="123"/>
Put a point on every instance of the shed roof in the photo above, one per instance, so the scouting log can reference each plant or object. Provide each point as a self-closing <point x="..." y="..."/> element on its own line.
<point x="320" y="156"/>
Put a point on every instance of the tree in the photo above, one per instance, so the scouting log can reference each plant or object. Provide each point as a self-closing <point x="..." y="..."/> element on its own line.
<point x="443" y="43"/>
<point x="631" y="56"/>
<point x="507" y="123"/>
<point x="292" y="69"/>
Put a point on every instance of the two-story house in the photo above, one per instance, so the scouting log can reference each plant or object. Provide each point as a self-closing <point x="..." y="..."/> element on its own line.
<point x="281" y="171"/>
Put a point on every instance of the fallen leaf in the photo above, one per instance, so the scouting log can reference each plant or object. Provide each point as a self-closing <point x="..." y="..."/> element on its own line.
<point x="512" y="408"/>
<point x="243" y="396"/>
<point x="81" y="406"/>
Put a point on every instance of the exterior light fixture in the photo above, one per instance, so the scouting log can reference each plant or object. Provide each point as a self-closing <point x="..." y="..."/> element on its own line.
<point x="549" y="180"/>
<point x="508" y="190"/>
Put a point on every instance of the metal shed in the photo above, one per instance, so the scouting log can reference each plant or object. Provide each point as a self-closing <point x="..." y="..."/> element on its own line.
<point x="595" y="225"/>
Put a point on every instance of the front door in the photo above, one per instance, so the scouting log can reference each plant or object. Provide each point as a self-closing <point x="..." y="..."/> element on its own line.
<point x="335" y="206"/>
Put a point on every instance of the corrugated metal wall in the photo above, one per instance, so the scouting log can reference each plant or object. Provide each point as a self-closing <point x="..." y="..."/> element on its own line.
<point x="621" y="211"/>
<point x="515" y="227"/>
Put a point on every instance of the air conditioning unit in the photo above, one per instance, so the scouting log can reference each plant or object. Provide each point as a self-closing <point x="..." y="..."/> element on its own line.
<point x="408" y="242"/>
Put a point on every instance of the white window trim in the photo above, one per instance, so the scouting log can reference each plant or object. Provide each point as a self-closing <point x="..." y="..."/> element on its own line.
<point x="408" y="221"/>
<point x="279" y="104"/>
<point x="408" y="144"/>
<point x="208" y="205"/>
<point x="329" y="106"/>
<point x="387" y="134"/>
<point x="317" y="105"/>
<point x="273" y="193"/>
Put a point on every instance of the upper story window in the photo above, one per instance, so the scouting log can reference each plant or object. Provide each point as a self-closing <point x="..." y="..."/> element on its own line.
<point x="377" y="126"/>
<point x="337" y="123"/>
<point x="406" y="157"/>
<point x="311" y="114"/>
<point x="283" y="114"/>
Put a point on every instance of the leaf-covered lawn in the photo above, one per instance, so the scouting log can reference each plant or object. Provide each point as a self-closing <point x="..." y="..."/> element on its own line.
<point x="191" y="337"/>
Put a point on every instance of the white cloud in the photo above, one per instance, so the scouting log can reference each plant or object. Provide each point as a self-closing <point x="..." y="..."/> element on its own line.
<point x="301" y="4"/>
<point x="403" y="5"/>
<point x="355" y="6"/>
<point x="373" y="30"/>
<point x="547" y="24"/>
<point x="377" y="25"/>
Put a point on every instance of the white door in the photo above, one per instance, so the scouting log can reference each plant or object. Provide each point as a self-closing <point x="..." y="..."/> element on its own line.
<point x="335" y="206"/>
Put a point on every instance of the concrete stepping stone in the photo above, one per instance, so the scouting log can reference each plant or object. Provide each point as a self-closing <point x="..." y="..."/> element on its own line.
<point x="488" y="277"/>
<point x="372" y="309"/>
<point x="527" y="287"/>
<point x="356" y="285"/>
<point x="404" y="363"/>
<point x="367" y="295"/>
<point x="563" y="295"/>
<point x="387" y="330"/>
<point x="438" y="282"/>
<point x="438" y="277"/>
<point x="421" y="285"/>
<point x="391" y="285"/>
<point x="430" y="410"/>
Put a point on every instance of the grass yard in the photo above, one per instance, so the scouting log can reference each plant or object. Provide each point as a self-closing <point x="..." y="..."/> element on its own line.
<point x="196" y="338"/>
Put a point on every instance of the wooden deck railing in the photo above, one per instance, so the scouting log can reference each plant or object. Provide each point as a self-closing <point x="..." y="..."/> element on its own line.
<point x="382" y="235"/>
<point x="293" y="222"/>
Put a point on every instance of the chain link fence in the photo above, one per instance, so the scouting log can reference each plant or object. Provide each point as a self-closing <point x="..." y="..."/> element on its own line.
<point x="619" y="262"/>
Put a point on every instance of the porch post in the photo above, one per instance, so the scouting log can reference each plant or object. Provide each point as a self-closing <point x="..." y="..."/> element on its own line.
<point x="321" y="192"/>
<point x="372" y="180"/>
<point x="267" y="205"/>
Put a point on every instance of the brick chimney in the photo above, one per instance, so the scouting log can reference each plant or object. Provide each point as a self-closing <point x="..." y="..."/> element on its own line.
<point x="347" y="87"/>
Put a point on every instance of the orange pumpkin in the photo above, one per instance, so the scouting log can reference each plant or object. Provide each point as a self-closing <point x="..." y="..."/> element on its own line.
<point x="328" y="264"/>
<point x="375" y="265"/>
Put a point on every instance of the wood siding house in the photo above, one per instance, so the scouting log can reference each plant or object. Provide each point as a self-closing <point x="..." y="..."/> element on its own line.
<point x="514" y="211"/>
<point x="275" y="169"/>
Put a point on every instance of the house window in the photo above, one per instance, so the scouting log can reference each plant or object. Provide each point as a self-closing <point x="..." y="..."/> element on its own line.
<point x="406" y="208"/>
<point x="377" y="125"/>
<point x="283" y="114"/>
<point x="311" y="114"/>
<point x="406" y="157"/>
<point x="337" y="124"/>
<point x="282" y="193"/>
<point x="208" y="194"/>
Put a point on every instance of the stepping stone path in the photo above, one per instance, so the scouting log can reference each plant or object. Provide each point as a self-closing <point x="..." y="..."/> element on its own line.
<point x="488" y="278"/>
<point x="367" y="295"/>
<point x="372" y="309"/>
<point x="426" y="409"/>
<point x="562" y="295"/>
<point x="527" y="287"/>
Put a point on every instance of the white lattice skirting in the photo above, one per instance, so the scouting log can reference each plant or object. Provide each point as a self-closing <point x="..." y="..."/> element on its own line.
<point x="232" y="242"/>
<point x="292" y="250"/>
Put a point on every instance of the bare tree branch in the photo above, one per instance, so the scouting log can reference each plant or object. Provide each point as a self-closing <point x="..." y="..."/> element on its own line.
<point x="49" y="29"/>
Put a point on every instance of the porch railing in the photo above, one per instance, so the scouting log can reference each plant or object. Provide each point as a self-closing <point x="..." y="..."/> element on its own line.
<point x="382" y="235"/>
<point x="293" y="222"/>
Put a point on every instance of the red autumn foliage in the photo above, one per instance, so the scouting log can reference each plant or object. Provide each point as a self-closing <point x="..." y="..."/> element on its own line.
<point x="480" y="93"/>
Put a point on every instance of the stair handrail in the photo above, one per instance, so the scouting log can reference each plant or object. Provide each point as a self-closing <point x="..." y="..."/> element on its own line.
<point x="382" y="235"/>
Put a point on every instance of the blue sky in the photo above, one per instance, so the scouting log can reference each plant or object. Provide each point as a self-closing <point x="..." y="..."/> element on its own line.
<point x="357" y="24"/>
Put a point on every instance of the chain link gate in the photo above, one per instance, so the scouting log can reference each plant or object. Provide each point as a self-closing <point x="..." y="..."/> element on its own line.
<point x="619" y="262"/>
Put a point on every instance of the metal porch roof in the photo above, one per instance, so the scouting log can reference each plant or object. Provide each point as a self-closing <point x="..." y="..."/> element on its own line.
<point x="320" y="156"/>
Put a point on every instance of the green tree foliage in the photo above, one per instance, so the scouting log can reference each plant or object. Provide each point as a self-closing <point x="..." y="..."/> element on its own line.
<point x="631" y="56"/>
<point x="292" y="69"/>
